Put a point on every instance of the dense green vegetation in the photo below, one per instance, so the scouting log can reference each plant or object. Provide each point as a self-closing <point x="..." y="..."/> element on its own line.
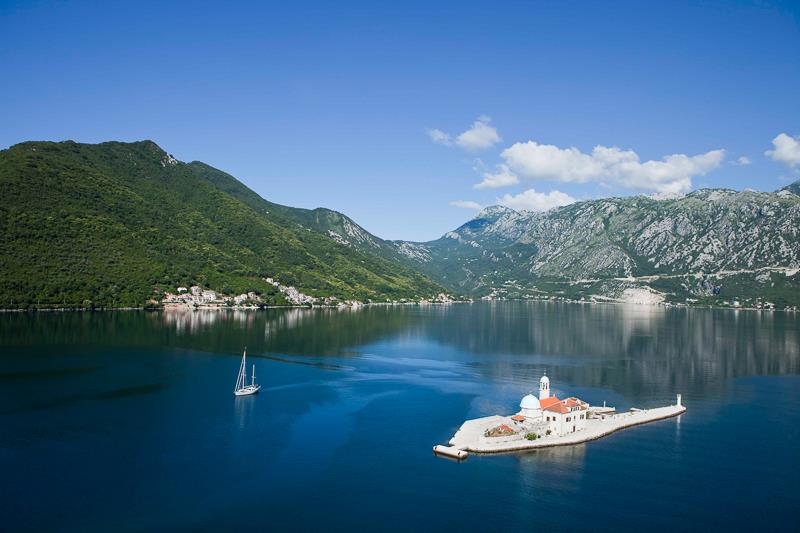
<point x="118" y="223"/>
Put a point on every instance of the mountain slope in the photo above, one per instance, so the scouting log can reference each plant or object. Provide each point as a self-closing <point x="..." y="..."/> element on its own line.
<point x="118" y="222"/>
<point x="595" y="247"/>
<point x="332" y="224"/>
<point x="793" y="188"/>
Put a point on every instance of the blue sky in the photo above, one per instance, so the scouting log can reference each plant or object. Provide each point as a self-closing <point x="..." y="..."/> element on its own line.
<point x="335" y="104"/>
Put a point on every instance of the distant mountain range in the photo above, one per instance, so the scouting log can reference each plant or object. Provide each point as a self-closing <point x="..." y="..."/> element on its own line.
<point x="120" y="223"/>
<point x="710" y="246"/>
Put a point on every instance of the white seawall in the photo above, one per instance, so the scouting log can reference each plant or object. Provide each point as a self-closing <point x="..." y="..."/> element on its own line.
<point x="470" y="435"/>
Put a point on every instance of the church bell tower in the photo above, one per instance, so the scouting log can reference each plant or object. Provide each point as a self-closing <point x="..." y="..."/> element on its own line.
<point x="544" y="387"/>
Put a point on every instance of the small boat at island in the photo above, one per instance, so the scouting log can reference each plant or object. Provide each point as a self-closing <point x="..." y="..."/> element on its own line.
<point x="242" y="388"/>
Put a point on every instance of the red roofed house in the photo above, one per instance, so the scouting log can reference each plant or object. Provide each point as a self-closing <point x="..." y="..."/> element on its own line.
<point x="565" y="416"/>
<point x="549" y="402"/>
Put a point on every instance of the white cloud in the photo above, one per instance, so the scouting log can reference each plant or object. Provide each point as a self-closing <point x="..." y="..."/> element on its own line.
<point x="531" y="200"/>
<point x="478" y="165"/>
<point x="787" y="149"/>
<point x="466" y="204"/>
<point x="742" y="161"/>
<point x="440" y="137"/>
<point x="502" y="178"/>
<point x="478" y="137"/>
<point x="673" y="174"/>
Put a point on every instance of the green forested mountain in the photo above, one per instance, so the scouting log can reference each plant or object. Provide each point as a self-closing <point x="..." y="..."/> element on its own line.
<point x="116" y="223"/>
<point x="332" y="224"/>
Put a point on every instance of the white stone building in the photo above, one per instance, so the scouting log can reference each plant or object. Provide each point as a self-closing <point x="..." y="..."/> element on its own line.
<point x="559" y="416"/>
<point x="209" y="295"/>
<point x="565" y="416"/>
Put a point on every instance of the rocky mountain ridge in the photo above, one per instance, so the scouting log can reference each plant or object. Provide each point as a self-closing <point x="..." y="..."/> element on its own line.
<point x="628" y="243"/>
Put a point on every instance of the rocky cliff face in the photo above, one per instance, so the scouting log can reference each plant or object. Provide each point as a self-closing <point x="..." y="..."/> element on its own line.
<point x="640" y="241"/>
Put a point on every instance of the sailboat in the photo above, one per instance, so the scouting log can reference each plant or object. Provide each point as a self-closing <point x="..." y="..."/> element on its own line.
<point x="242" y="388"/>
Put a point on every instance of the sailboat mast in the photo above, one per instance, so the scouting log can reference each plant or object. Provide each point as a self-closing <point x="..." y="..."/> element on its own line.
<point x="242" y="377"/>
<point x="253" y="376"/>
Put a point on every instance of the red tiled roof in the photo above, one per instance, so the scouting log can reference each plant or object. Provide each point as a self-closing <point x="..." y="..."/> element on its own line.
<point x="575" y="402"/>
<point x="547" y="402"/>
<point x="557" y="408"/>
<point x="518" y="418"/>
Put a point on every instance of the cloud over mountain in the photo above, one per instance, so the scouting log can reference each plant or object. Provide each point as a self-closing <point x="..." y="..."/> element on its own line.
<point x="466" y="204"/>
<point x="479" y="136"/>
<point x="502" y="178"/>
<point x="787" y="150"/>
<point x="672" y="174"/>
<point x="532" y="200"/>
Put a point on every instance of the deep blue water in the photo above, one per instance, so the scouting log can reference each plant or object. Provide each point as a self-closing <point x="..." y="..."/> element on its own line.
<point x="126" y="420"/>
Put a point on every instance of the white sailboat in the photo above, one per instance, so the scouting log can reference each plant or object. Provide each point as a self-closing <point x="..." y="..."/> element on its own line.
<point x="242" y="388"/>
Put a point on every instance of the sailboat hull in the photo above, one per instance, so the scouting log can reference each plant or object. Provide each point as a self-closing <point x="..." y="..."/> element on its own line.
<point x="246" y="391"/>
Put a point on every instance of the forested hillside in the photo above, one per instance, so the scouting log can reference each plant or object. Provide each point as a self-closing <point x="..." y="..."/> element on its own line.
<point x="118" y="223"/>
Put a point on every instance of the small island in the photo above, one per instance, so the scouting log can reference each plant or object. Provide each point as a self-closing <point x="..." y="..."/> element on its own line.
<point x="547" y="421"/>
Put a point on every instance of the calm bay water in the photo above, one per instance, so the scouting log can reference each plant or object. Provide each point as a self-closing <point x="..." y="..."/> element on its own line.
<point x="127" y="420"/>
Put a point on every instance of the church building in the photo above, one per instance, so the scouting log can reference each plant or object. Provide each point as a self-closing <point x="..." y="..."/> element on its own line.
<point x="560" y="417"/>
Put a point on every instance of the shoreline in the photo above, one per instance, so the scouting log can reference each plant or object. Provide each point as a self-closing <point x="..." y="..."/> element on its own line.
<point x="392" y="304"/>
<point x="162" y="308"/>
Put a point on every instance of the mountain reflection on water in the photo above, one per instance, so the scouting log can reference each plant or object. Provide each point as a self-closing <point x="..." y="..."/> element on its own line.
<point x="352" y="400"/>
<point x="639" y="351"/>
